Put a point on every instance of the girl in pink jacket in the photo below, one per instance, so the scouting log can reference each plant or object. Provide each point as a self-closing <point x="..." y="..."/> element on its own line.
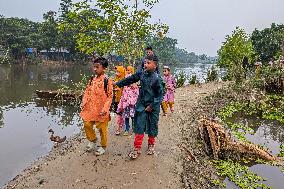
<point x="169" y="99"/>
<point x="127" y="102"/>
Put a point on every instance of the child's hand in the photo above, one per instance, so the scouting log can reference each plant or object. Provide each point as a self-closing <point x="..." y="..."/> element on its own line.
<point x="149" y="109"/>
<point x="103" y="113"/>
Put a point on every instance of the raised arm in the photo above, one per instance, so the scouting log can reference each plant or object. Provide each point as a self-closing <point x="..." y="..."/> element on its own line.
<point x="129" y="80"/>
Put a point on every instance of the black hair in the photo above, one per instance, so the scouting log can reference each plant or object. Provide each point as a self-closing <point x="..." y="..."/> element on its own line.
<point x="149" y="48"/>
<point x="102" y="61"/>
<point x="153" y="58"/>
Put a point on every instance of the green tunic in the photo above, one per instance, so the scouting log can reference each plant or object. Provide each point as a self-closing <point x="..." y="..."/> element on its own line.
<point x="150" y="94"/>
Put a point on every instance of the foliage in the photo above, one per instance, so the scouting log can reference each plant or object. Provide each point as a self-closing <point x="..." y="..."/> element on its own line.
<point x="239" y="174"/>
<point x="233" y="51"/>
<point x="271" y="107"/>
<point x="18" y="34"/>
<point x="164" y="48"/>
<point x="281" y="153"/>
<point x="271" y="79"/>
<point x="268" y="42"/>
<point x="181" y="79"/>
<point x="112" y="26"/>
<point x="185" y="57"/>
<point x="193" y="80"/>
<point x="212" y="75"/>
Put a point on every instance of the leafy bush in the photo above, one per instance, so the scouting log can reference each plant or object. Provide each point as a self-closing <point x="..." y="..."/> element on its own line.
<point x="193" y="80"/>
<point x="212" y="75"/>
<point x="181" y="78"/>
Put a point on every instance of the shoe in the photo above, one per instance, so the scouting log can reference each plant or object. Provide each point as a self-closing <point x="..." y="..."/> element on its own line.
<point x="117" y="133"/>
<point x="91" y="146"/>
<point x="125" y="133"/>
<point x="100" y="151"/>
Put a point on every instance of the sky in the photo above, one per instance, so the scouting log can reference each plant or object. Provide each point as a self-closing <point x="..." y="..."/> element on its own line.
<point x="200" y="26"/>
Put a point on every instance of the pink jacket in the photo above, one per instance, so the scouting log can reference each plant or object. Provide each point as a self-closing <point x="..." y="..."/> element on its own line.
<point x="129" y="96"/>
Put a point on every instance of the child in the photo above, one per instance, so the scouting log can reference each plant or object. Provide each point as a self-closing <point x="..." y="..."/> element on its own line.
<point x="119" y="75"/>
<point x="128" y="101"/>
<point x="170" y="86"/>
<point x="96" y="103"/>
<point x="148" y="105"/>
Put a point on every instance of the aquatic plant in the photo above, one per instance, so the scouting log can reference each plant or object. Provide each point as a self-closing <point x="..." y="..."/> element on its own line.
<point x="239" y="174"/>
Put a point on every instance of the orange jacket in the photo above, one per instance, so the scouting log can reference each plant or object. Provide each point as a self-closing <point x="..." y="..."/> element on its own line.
<point x="95" y="100"/>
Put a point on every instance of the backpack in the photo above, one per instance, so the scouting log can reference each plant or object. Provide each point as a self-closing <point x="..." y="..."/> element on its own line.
<point x="105" y="83"/>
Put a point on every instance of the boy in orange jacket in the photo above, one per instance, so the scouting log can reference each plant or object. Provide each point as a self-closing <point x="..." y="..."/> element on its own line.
<point x="96" y="104"/>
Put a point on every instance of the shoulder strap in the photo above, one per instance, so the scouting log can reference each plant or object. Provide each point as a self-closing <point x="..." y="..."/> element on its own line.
<point x="105" y="85"/>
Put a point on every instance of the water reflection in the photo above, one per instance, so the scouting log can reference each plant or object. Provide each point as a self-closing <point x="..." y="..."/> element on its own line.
<point x="267" y="133"/>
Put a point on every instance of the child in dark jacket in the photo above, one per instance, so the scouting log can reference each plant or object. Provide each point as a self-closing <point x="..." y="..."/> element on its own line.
<point x="148" y="105"/>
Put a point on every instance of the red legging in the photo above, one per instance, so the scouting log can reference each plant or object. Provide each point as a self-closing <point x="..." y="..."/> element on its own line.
<point x="139" y="140"/>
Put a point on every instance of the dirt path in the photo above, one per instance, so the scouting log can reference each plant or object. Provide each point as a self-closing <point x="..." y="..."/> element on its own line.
<point x="69" y="166"/>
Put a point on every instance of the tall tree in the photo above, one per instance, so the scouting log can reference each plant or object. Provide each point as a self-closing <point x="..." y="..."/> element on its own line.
<point x="115" y="26"/>
<point x="268" y="42"/>
<point x="233" y="51"/>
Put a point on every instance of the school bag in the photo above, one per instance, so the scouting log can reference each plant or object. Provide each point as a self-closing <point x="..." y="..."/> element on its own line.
<point x="105" y="83"/>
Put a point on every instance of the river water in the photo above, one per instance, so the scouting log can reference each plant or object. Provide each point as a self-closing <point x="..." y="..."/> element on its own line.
<point x="25" y="120"/>
<point x="269" y="134"/>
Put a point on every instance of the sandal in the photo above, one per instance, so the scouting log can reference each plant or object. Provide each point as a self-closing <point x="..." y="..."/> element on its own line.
<point x="134" y="154"/>
<point x="151" y="150"/>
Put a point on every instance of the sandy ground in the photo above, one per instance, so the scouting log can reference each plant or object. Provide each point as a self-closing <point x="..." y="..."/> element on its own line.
<point x="69" y="166"/>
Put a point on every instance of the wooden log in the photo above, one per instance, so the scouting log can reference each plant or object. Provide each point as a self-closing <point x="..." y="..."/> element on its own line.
<point x="57" y="95"/>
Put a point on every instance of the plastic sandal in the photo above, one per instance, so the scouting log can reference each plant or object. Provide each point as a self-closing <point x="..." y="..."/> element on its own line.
<point x="151" y="150"/>
<point x="134" y="154"/>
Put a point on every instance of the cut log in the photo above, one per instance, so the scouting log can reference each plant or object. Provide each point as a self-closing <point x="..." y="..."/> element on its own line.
<point x="218" y="142"/>
<point x="57" y="95"/>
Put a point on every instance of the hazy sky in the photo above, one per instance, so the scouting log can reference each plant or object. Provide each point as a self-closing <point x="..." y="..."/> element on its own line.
<point x="199" y="25"/>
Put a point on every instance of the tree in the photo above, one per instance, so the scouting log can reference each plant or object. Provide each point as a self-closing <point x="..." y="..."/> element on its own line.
<point x="48" y="31"/>
<point x="106" y="27"/>
<point x="233" y="51"/>
<point x="268" y="42"/>
<point x="18" y="34"/>
<point x="165" y="48"/>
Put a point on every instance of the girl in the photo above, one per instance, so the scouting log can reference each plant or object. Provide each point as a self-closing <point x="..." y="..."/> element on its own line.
<point x="119" y="75"/>
<point x="126" y="106"/>
<point x="170" y="87"/>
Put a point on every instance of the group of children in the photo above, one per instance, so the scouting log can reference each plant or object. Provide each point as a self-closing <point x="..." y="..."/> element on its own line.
<point x="140" y="104"/>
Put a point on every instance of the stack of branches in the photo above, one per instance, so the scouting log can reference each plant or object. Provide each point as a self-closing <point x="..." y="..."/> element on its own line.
<point x="220" y="144"/>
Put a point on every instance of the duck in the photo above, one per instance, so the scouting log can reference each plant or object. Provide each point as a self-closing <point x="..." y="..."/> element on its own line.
<point x="56" y="139"/>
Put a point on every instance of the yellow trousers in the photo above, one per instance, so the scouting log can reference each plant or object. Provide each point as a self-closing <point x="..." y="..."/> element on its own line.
<point x="91" y="134"/>
<point x="166" y="105"/>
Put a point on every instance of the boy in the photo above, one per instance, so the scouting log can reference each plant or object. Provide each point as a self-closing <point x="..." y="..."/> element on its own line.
<point x="148" y="105"/>
<point x="96" y="103"/>
<point x="149" y="52"/>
